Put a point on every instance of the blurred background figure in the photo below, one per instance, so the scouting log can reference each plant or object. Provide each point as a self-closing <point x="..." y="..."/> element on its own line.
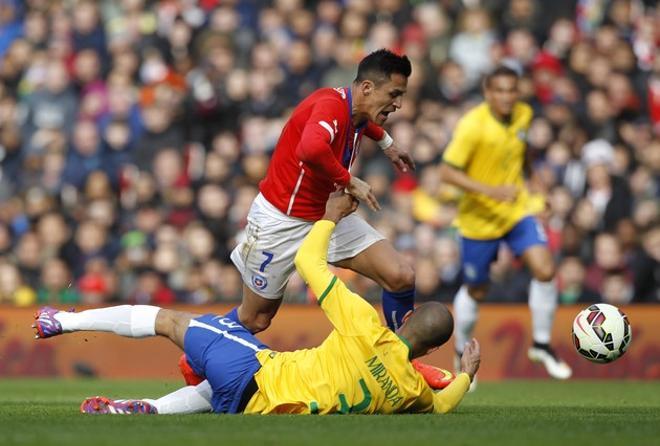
<point x="12" y="289"/>
<point x="55" y="286"/>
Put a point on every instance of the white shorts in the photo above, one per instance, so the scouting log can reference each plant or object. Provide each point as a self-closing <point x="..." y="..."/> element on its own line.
<point x="266" y="249"/>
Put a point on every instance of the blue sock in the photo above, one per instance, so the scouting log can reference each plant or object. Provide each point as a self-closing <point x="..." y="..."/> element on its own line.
<point x="396" y="305"/>
<point x="233" y="315"/>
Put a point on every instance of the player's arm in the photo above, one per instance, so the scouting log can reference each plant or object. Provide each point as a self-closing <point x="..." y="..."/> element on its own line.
<point x="348" y="312"/>
<point x="455" y="176"/>
<point x="456" y="159"/>
<point x="448" y="398"/>
<point x="314" y="148"/>
<point x="377" y="133"/>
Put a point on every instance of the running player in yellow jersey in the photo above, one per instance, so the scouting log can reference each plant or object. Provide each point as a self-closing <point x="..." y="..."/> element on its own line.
<point x="361" y="367"/>
<point x="486" y="158"/>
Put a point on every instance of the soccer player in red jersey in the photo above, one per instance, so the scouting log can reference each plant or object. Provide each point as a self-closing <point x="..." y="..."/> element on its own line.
<point x="312" y="159"/>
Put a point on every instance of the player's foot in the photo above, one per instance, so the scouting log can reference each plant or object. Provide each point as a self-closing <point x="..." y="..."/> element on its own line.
<point x="103" y="405"/>
<point x="190" y="377"/>
<point x="435" y="377"/>
<point x="553" y="364"/>
<point x="457" y="369"/>
<point x="46" y="325"/>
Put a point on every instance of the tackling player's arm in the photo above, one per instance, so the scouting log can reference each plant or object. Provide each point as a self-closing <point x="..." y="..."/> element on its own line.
<point x="456" y="159"/>
<point x="348" y="312"/>
<point x="447" y="399"/>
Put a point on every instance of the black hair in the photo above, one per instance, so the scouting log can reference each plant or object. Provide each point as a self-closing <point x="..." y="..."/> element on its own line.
<point x="432" y="324"/>
<point x="501" y="70"/>
<point x="381" y="64"/>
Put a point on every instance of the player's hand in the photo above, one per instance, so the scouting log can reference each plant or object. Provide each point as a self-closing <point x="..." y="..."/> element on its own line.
<point x="339" y="205"/>
<point x="471" y="358"/>
<point x="400" y="158"/>
<point x="503" y="193"/>
<point x="362" y="191"/>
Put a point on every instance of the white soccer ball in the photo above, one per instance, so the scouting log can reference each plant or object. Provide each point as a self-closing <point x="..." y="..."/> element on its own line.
<point x="601" y="333"/>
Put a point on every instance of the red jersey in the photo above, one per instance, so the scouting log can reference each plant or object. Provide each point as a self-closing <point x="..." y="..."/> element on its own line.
<point x="314" y="154"/>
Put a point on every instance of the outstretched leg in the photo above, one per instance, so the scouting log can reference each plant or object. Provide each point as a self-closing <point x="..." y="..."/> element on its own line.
<point x="187" y="400"/>
<point x="173" y="325"/>
<point x="133" y="321"/>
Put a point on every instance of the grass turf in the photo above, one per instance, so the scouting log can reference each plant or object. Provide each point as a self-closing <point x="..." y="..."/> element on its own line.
<point x="45" y="412"/>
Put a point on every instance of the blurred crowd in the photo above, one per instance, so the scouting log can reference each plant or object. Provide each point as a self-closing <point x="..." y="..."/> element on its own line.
<point x="134" y="133"/>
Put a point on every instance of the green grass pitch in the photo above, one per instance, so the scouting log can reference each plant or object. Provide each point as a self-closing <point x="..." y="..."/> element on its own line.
<point x="45" y="412"/>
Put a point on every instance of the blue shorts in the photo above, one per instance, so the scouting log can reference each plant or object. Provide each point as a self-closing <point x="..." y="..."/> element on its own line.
<point x="479" y="254"/>
<point x="223" y="351"/>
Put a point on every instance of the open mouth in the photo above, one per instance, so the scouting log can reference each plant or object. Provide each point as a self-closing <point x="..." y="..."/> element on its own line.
<point x="384" y="114"/>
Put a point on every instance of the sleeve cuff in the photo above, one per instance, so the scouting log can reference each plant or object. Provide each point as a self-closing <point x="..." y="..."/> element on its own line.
<point x="385" y="142"/>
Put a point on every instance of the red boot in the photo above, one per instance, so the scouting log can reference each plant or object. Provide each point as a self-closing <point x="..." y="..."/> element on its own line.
<point x="191" y="378"/>
<point x="435" y="377"/>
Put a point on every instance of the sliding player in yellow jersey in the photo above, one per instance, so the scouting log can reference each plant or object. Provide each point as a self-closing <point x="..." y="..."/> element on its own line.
<point x="486" y="158"/>
<point x="361" y="367"/>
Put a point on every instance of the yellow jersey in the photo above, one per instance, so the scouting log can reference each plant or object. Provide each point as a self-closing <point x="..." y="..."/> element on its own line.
<point x="361" y="367"/>
<point x="493" y="153"/>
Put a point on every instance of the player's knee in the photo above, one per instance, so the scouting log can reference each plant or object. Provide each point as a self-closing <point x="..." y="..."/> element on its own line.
<point x="257" y="322"/>
<point x="545" y="272"/>
<point x="401" y="278"/>
<point x="260" y="324"/>
<point x="478" y="292"/>
<point x="165" y="323"/>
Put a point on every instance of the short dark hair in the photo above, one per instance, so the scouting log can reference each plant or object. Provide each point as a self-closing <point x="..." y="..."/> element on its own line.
<point x="432" y="324"/>
<point x="381" y="64"/>
<point x="501" y="70"/>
